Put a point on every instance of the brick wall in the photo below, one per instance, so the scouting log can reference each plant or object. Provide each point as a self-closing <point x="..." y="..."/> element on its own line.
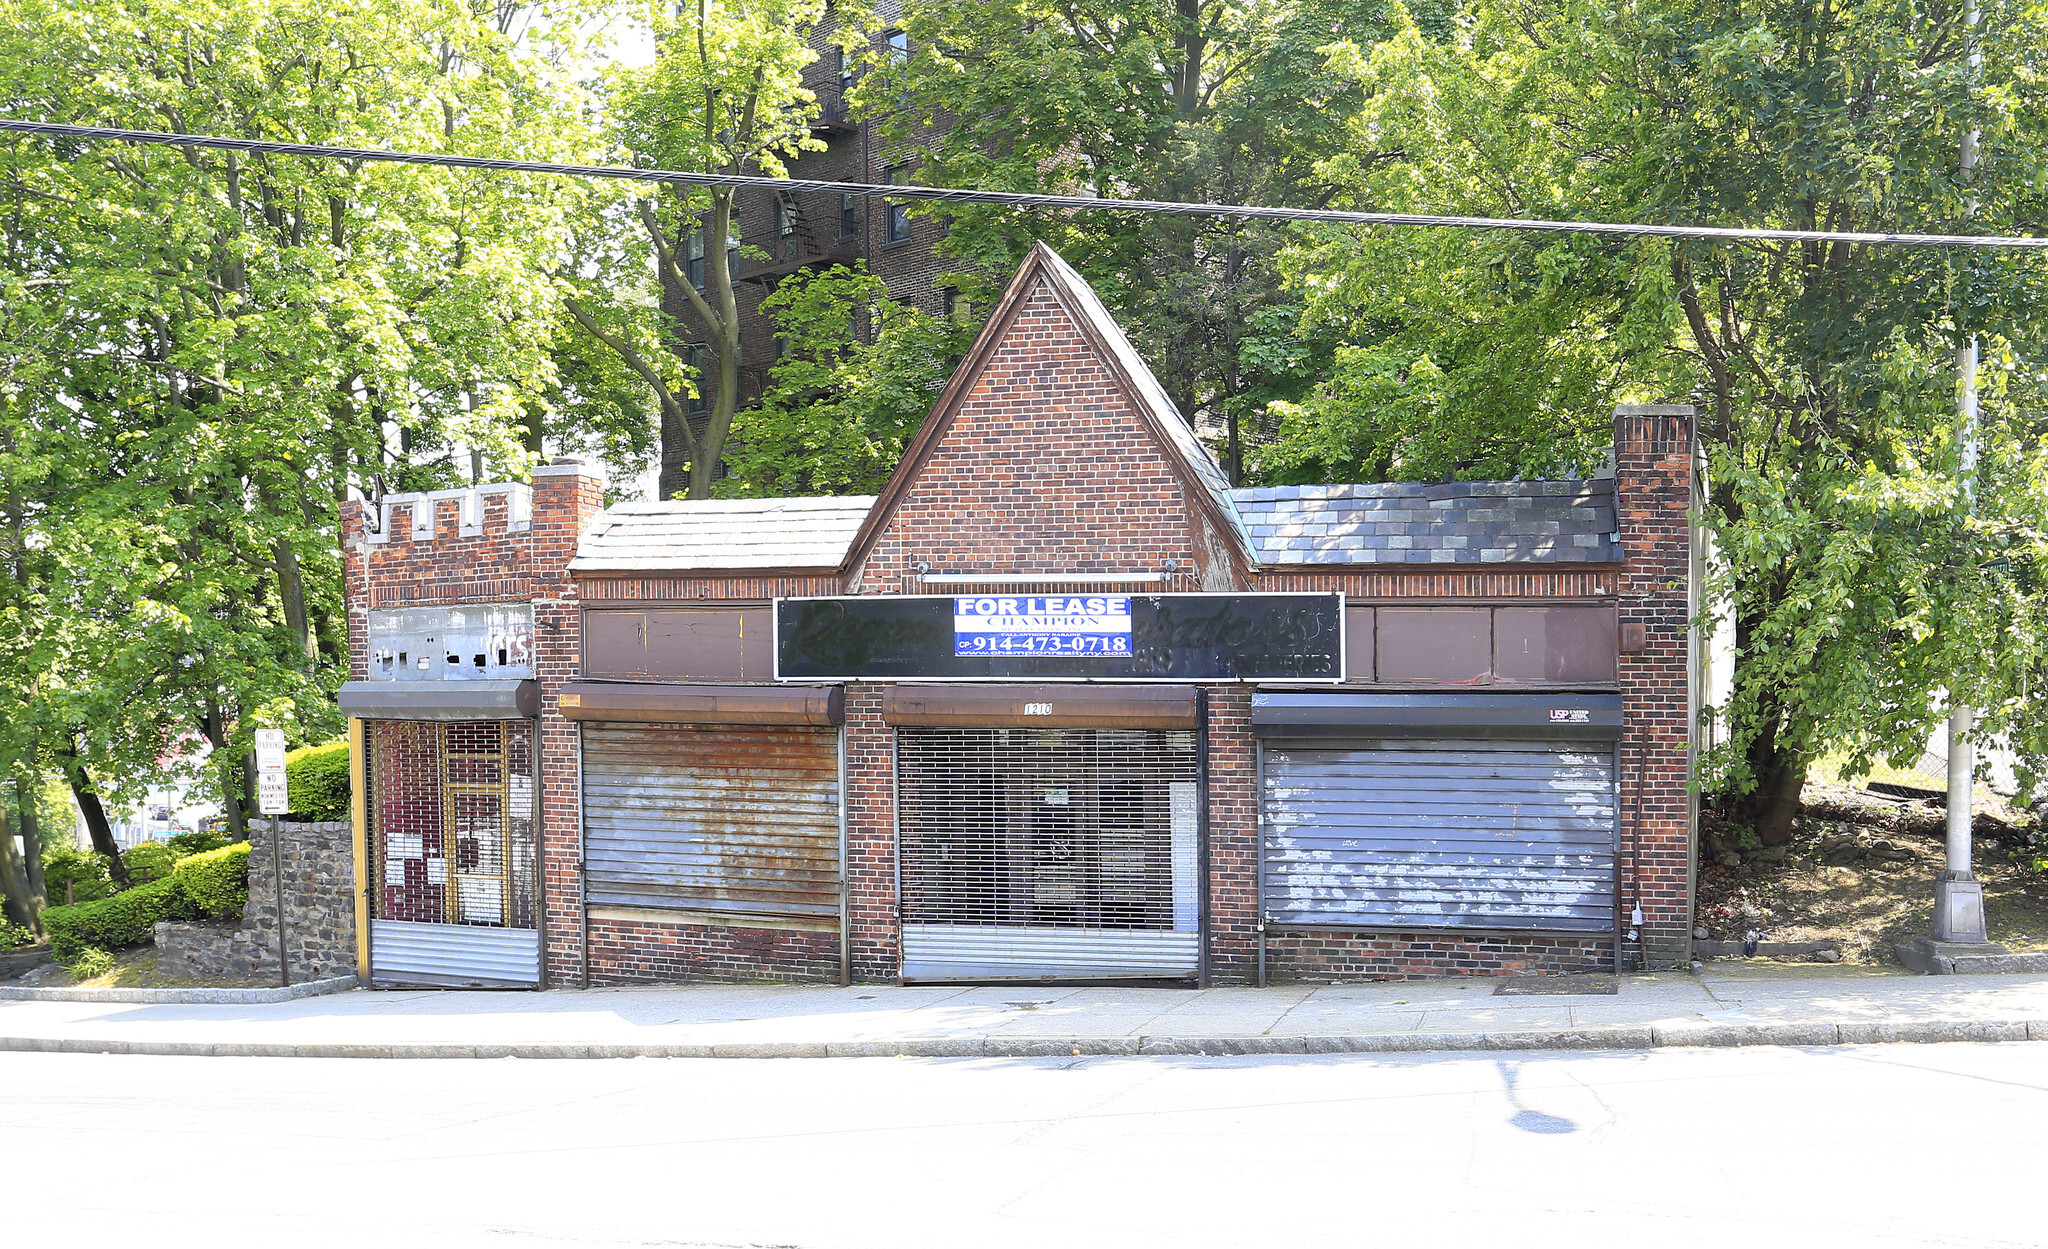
<point x="512" y="553"/>
<point x="641" y="951"/>
<point x="1046" y="467"/>
<point x="1653" y="454"/>
<point x="872" y="928"/>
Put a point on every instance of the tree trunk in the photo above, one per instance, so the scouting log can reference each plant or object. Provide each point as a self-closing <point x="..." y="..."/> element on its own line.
<point x="32" y="848"/>
<point x="14" y="903"/>
<point x="1780" y="777"/>
<point x="95" y="815"/>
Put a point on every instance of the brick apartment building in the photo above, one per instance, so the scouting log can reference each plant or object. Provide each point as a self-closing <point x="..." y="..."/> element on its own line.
<point x="1058" y="703"/>
<point x="815" y="229"/>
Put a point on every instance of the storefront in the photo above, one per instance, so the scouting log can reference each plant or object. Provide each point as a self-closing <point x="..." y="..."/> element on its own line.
<point x="1062" y="704"/>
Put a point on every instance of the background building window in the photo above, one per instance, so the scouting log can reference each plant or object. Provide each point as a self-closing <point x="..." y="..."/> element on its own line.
<point x="897" y="228"/>
<point x="699" y="358"/>
<point x="693" y="258"/>
<point x="849" y="215"/>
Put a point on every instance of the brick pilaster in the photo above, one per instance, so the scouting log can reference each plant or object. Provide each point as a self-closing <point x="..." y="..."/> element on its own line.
<point x="1653" y="461"/>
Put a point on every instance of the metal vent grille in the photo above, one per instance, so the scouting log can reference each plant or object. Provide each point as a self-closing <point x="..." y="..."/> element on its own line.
<point x="1048" y="829"/>
<point x="450" y="811"/>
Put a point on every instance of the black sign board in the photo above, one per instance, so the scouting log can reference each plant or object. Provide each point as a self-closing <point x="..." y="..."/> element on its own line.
<point x="1052" y="637"/>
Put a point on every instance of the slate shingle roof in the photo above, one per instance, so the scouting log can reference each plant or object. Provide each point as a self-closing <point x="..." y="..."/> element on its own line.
<point x="1467" y="522"/>
<point x="722" y="534"/>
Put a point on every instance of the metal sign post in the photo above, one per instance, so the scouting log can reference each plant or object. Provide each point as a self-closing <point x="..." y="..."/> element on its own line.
<point x="273" y="798"/>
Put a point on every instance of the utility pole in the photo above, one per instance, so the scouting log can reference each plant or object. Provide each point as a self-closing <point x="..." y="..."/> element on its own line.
<point x="1958" y="895"/>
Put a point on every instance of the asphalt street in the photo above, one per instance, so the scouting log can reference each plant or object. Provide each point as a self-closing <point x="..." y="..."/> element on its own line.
<point x="1852" y="1145"/>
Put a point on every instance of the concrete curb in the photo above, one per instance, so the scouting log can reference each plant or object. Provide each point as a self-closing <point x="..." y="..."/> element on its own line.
<point x="1628" y="1037"/>
<point x="311" y="988"/>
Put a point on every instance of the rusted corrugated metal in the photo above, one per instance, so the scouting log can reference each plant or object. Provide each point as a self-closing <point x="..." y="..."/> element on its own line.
<point x="815" y="705"/>
<point x="741" y="821"/>
<point x="1421" y="833"/>
<point x="1065" y="706"/>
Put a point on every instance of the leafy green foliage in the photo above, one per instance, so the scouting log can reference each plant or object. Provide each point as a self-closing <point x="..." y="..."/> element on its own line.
<point x="724" y="94"/>
<point x="317" y="780"/>
<point x="841" y="404"/>
<point x="1230" y="101"/>
<point x="15" y="936"/>
<point x="79" y="875"/>
<point x="202" y="353"/>
<point x="152" y="860"/>
<point x="216" y="881"/>
<point x="90" y="963"/>
<point x="1862" y="590"/>
<point x="184" y="845"/>
<point x="121" y="922"/>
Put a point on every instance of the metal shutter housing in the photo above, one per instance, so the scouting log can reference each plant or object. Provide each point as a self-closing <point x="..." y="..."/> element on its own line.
<point x="1048" y="854"/>
<point x="721" y="819"/>
<point x="1442" y="833"/>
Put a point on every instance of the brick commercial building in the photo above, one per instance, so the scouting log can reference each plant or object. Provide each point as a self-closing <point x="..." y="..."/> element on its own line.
<point x="1058" y="703"/>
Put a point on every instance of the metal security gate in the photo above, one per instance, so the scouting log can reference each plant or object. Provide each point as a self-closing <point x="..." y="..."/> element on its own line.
<point x="730" y="820"/>
<point x="451" y="824"/>
<point x="1481" y="834"/>
<point x="1048" y="853"/>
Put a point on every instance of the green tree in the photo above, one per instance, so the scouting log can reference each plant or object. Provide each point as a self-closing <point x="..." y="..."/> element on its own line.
<point x="724" y="95"/>
<point x="859" y="372"/>
<point x="1228" y="101"/>
<point x="1861" y="590"/>
<point x="205" y="351"/>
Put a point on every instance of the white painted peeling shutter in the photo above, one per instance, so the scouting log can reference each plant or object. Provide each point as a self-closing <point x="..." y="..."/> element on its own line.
<point x="1047" y="854"/>
<point x="1476" y="834"/>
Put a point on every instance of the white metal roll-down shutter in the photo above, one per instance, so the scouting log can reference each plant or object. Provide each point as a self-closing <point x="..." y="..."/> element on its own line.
<point x="1048" y="853"/>
<point x="1481" y="834"/>
<point x="725" y="819"/>
<point x="451" y="819"/>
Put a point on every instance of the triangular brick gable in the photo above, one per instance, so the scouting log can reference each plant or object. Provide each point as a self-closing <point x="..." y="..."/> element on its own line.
<point x="1051" y="452"/>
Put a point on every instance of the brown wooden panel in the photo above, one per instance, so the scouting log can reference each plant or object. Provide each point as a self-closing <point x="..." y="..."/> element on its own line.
<point x="1445" y="645"/>
<point x="1553" y="644"/>
<point x="614" y="643"/>
<point x="1358" y="630"/>
<point x="728" y="642"/>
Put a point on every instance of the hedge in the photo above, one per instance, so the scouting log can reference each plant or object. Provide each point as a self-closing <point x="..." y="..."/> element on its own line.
<point x="316" y="781"/>
<point x="217" y="882"/>
<point x="85" y="872"/>
<point x="149" y="862"/>
<point x="125" y="920"/>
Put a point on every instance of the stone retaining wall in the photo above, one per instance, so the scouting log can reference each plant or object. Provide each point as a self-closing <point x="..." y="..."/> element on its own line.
<point x="319" y="904"/>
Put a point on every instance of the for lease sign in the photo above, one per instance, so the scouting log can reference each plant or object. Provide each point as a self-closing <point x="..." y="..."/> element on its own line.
<point x="1046" y="624"/>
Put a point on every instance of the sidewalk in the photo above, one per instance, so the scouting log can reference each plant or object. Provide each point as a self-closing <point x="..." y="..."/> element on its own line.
<point x="1727" y="1004"/>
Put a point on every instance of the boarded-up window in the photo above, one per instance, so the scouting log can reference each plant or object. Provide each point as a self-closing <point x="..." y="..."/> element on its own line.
<point x="726" y="643"/>
<point x="1358" y="658"/>
<point x="1448" y="645"/>
<point x="1553" y="644"/>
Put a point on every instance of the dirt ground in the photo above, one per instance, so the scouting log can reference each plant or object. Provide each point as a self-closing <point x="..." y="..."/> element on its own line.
<point x="1860" y="874"/>
<point x="136" y="969"/>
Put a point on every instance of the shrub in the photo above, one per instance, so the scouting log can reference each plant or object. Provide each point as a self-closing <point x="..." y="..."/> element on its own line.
<point x="216" y="882"/>
<point x="152" y="860"/>
<point x="185" y="844"/>
<point x="123" y="921"/>
<point x="316" y="779"/>
<point x="90" y="963"/>
<point x="14" y="936"/>
<point x="83" y="870"/>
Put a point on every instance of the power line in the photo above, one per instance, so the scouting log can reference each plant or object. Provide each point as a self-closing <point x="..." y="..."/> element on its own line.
<point x="1011" y="199"/>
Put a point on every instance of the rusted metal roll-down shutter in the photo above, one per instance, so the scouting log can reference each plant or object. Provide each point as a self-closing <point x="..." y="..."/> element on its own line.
<point x="1033" y="853"/>
<point x="726" y="820"/>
